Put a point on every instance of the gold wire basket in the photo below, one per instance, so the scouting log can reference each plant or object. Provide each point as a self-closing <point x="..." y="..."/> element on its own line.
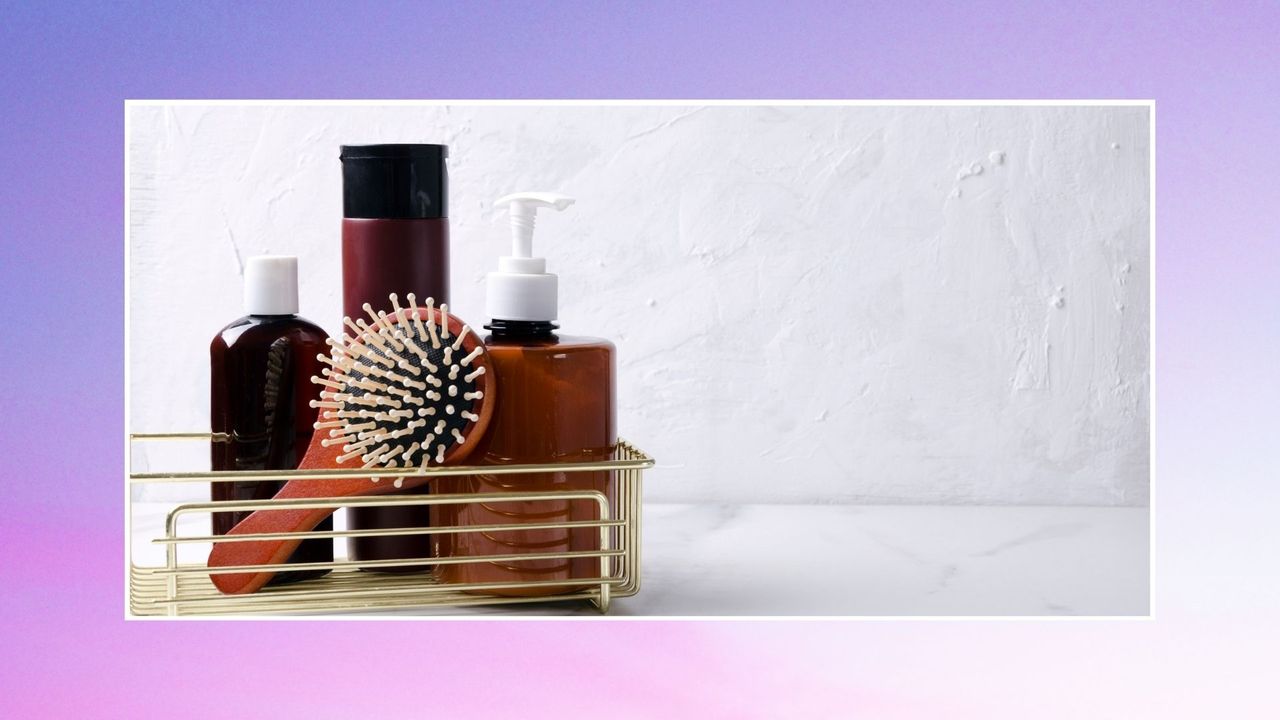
<point x="178" y="587"/>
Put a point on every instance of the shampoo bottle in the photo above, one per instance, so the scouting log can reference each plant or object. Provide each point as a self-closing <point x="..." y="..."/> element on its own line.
<point x="395" y="239"/>
<point x="261" y="393"/>
<point x="555" y="404"/>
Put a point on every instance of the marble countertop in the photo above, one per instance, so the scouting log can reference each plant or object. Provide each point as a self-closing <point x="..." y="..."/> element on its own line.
<point x="846" y="560"/>
<point x="893" y="560"/>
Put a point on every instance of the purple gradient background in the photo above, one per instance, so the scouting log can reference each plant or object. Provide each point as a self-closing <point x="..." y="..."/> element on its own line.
<point x="1213" y="69"/>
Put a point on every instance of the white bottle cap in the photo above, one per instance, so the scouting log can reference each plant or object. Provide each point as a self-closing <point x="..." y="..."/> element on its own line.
<point x="271" y="285"/>
<point x="522" y="289"/>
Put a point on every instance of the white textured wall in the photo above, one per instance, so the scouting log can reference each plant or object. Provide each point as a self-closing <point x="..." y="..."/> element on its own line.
<point x="810" y="303"/>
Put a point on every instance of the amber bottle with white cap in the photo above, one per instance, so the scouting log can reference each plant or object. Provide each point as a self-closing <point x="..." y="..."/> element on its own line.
<point x="555" y="403"/>
<point x="260" y="397"/>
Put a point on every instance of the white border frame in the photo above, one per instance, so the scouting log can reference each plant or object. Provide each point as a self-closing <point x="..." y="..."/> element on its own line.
<point x="1151" y="353"/>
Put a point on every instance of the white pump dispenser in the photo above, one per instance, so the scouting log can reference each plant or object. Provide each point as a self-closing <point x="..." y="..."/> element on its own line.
<point x="522" y="289"/>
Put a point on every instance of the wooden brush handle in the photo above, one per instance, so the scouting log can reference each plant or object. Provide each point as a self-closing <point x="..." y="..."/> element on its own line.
<point x="276" y="552"/>
<point x="261" y="552"/>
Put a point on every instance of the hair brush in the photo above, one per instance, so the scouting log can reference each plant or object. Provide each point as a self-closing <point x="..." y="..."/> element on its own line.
<point x="411" y="389"/>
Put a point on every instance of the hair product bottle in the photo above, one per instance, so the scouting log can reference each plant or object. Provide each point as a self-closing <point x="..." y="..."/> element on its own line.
<point x="395" y="239"/>
<point x="555" y="403"/>
<point x="261" y="392"/>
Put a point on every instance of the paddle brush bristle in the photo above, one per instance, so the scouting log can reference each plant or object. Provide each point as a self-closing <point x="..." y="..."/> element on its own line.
<point x="405" y="389"/>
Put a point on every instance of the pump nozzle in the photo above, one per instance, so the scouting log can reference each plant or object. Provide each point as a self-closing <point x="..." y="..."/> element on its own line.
<point x="524" y="214"/>
<point x="522" y="289"/>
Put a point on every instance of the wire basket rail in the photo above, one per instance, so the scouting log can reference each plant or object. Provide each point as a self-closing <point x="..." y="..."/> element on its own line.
<point x="178" y="587"/>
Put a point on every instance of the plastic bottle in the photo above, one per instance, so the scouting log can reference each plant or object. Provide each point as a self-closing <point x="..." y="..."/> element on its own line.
<point x="395" y="239"/>
<point x="260" y="393"/>
<point x="555" y="403"/>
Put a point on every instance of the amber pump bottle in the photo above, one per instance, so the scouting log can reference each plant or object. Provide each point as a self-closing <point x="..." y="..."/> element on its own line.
<point x="555" y="403"/>
<point x="395" y="239"/>
<point x="260" y="396"/>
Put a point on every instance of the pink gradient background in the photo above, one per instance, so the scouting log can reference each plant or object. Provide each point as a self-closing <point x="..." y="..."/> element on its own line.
<point x="1209" y="651"/>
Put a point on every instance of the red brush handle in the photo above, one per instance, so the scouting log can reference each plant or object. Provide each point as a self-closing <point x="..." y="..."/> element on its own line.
<point x="275" y="552"/>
